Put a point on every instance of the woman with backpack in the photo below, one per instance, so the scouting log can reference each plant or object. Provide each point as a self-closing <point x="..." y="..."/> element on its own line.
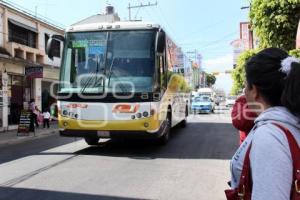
<point x="266" y="165"/>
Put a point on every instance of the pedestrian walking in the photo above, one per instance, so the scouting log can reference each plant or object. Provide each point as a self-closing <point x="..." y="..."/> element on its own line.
<point x="33" y="115"/>
<point x="242" y="117"/>
<point x="36" y="113"/>
<point x="46" y="120"/>
<point x="267" y="164"/>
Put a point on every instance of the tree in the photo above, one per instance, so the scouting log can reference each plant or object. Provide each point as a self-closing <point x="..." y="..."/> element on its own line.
<point x="238" y="74"/>
<point x="210" y="79"/>
<point x="295" y="53"/>
<point x="275" y="22"/>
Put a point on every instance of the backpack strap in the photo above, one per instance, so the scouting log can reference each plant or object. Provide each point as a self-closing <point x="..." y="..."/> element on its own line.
<point x="245" y="184"/>
<point x="295" y="153"/>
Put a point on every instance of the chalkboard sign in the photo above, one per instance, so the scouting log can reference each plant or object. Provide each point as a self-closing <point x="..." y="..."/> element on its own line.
<point x="24" y="124"/>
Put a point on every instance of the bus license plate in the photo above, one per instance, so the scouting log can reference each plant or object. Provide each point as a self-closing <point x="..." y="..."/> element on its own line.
<point x="103" y="133"/>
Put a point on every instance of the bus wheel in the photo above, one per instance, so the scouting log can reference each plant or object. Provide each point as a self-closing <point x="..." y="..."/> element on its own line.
<point x="164" y="139"/>
<point x="92" y="140"/>
<point x="184" y="122"/>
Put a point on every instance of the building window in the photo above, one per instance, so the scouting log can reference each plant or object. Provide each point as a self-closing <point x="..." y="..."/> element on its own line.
<point x="21" y="35"/>
<point x="56" y="46"/>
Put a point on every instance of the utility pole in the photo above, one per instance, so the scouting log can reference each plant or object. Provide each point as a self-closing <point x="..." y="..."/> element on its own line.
<point x="139" y="6"/>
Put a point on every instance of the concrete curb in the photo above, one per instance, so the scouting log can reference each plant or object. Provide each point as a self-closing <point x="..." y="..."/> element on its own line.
<point x="19" y="139"/>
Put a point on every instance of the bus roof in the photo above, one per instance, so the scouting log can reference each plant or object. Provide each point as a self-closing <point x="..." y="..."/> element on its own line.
<point x="119" y="25"/>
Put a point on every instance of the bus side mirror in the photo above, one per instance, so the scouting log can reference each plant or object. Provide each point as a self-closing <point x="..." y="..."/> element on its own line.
<point x="161" y="42"/>
<point x="50" y="44"/>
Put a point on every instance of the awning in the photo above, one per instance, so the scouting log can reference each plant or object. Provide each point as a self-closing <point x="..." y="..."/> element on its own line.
<point x="23" y="25"/>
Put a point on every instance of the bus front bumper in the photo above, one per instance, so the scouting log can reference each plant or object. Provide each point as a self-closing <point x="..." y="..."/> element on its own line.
<point x="112" y="129"/>
<point x="113" y="134"/>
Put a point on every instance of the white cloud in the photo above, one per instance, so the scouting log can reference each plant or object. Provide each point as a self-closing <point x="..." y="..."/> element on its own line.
<point x="218" y="64"/>
<point x="224" y="82"/>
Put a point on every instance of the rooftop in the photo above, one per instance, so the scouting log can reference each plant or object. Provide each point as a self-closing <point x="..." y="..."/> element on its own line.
<point x="31" y="14"/>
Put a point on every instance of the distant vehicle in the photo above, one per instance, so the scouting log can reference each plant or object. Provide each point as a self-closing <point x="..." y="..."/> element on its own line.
<point x="194" y="95"/>
<point x="208" y="92"/>
<point x="218" y="101"/>
<point x="230" y="101"/>
<point x="202" y="104"/>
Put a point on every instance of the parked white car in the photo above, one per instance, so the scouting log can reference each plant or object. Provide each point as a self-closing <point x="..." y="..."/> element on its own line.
<point x="230" y="101"/>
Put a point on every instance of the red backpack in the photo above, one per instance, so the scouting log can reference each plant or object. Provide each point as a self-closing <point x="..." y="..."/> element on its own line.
<point x="244" y="189"/>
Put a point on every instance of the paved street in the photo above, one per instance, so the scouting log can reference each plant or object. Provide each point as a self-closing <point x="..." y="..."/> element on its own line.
<point x="194" y="165"/>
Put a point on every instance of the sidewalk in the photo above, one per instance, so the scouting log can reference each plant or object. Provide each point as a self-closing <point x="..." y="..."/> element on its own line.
<point x="10" y="137"/>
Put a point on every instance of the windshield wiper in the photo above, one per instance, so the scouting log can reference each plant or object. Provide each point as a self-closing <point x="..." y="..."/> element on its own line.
<point x="110" y="70"/>
<point x="123" y="88"/>
<point x="94" y="74"/>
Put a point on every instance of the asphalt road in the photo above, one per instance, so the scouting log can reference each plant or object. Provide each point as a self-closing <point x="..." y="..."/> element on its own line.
<point x="193" y="165"/>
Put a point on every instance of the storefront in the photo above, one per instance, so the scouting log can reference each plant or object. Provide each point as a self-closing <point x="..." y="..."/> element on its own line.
<point x="19" y="83"/>
<point x="19" y="92"/>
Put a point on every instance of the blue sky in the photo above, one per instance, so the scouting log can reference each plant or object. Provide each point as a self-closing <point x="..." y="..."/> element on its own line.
<point x="206" y="25"/>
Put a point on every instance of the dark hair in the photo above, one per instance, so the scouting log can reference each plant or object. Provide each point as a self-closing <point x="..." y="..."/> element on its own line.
<point x="275" y="86"/>
<point x="291" y="94"/>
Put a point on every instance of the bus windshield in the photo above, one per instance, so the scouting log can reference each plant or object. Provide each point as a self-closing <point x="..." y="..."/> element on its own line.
<point x="116" y="61"/>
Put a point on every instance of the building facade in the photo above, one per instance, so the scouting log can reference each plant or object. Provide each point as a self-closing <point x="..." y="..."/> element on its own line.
<point x="25" y="70"/>
<point x="247" y="41"/>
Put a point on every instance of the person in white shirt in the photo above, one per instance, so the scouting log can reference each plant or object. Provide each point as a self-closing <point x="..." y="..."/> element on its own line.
<point x="46" y="120"/>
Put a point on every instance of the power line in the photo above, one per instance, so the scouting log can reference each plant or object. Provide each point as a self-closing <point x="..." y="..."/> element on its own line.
<point x="204" y="29"/>
<point x="166" y="21"/>
<point x="139" y="7"/>
<point x="221" y="39"/>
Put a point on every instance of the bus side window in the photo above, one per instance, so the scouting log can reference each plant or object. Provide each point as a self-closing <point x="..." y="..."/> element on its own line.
<point x="162" y="72"/>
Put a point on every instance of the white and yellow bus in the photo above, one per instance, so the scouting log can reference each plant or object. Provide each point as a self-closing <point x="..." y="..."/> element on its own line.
<point x="116" y="80"/>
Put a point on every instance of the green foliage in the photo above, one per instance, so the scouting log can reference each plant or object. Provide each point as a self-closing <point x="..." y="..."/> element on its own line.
<point x="295" y="53"/>
<point x="238" y="74"/>
<point x="210" y="79"/>
<point x="178" y="81"/>
<point x="275" y="22"/>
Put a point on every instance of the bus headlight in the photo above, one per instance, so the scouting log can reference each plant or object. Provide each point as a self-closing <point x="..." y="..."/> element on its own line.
<point x="139" y="115"/>
<point x="145" y="114"/>
<point x="65" y="112"/>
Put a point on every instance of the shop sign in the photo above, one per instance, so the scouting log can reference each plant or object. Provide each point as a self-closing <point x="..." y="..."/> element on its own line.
<point x="33" y="72"/>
